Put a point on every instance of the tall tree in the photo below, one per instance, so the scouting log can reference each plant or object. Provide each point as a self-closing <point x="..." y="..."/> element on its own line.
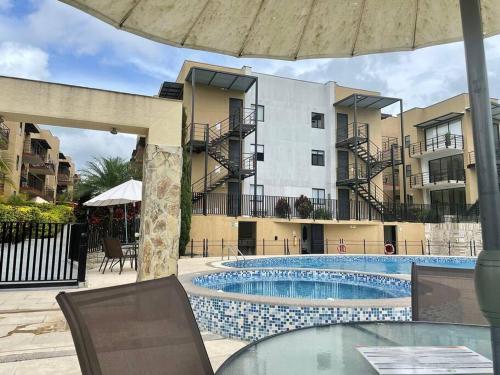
<point x="101" y="174"/>
<point x="186" y="202"/>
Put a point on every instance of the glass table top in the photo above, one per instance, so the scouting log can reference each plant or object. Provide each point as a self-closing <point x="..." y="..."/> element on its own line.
<point x="332" y="349"/>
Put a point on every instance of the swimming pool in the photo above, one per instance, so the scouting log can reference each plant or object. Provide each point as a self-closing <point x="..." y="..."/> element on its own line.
<point x="235" y="303"/>
<point x="303" y="284"/>
<point x="361" y="263"/>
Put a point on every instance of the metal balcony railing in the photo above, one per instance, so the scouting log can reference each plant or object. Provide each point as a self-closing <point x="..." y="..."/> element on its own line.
<point x="349" y="173"/>
<point x="351" y="130"/>
<point x="423" y="179"/>
<point x="445" y="141"/>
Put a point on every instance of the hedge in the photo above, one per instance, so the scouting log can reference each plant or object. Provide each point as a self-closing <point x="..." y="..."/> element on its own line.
<point x="35" y="213"/>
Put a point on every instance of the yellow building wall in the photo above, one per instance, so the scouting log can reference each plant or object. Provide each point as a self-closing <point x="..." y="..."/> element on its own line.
<point x="458" y="104"/>
<point x="273" y="234"/>
<point x="211" y="106"/>
<point x="372" y="117"/>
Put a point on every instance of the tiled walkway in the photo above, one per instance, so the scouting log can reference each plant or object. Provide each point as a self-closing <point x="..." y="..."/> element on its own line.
<point x="34" y="338"/>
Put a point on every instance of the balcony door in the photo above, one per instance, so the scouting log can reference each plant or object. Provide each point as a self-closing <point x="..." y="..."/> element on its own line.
<point x="446" y="169"/>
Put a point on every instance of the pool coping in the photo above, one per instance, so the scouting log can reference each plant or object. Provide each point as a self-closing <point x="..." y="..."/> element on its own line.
<point x="192" y="289"/>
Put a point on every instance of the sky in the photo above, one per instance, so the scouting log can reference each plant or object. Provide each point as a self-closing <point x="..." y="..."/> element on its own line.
<point x="51" y="41"/>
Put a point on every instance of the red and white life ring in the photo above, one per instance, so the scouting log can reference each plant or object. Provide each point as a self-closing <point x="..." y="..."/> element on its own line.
<point x="389" y="249"/>
<point x="342" y="248"/>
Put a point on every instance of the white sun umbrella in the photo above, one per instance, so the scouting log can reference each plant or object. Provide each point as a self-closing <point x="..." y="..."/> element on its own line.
<point x="291" y="29"/>
<point x="298" y="29"/>
<point x="128" y="192"/>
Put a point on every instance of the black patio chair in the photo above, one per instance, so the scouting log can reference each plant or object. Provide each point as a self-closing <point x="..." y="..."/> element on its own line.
<point x="448" y="295"/>
<point x="145" y="328"/>
<point x="113" y="251"/>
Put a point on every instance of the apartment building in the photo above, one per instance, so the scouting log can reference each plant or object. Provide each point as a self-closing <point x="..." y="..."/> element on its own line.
<point x="440" y="155"/>
<point x="259" y="142"/>
<point x="33" y="156"/>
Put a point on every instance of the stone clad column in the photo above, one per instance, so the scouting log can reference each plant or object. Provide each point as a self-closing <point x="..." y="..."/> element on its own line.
<point x="160" y="212"/>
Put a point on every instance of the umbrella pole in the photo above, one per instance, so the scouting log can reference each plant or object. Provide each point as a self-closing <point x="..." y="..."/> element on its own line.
<point x="487" y="273"/>
<point x="125" y="222"/>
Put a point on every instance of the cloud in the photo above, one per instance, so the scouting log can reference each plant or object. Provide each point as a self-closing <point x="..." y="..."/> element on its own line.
<point x="23" y="61"/>
<point x="5" y="5"/>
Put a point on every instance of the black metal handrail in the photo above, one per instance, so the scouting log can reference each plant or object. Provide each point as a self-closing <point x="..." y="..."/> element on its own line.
<point x="212" y="178"/>
<point x="426" y="178"/>
<point x="349" y="173"/>
<point x="443" y="141"/>
<point x="284" y="207"/>
<point x="349" y="131"/>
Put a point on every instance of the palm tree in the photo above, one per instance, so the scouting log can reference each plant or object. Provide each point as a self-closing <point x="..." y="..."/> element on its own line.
<point x="101" y="174"/>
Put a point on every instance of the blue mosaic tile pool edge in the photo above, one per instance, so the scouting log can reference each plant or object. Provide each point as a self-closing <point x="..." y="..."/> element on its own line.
<point x="249" y="321"/>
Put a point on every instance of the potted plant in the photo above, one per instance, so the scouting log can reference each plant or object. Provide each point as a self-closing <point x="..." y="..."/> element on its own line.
<point x="447" y="139"/>
<point x="282" y="208"/>
<point x="303" y="206"/>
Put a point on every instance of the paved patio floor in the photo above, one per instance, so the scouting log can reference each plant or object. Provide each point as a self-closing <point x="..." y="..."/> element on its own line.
<point x="34" y="337"/>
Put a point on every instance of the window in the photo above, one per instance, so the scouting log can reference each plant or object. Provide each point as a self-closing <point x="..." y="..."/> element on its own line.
<point x="260" y="151"/>
<point x="407" y="141"/>
<point x="317" y="120"/>
<point x="318" y="158"/>
<point x="260" y="112"/>
<point x="17" y="162"/>
<point x="448" y="196"/>
<point x="408" y="170"/>
<point x="447" y="168"/>
<point x="318" y="196"/>
<point x="260" y="192"/>
<point x="435" y="134"/>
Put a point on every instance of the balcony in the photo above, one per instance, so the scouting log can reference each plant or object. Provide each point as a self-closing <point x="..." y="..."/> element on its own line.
<point x="35" y="151"/>
<point x="440" y="146"/>
<point x="4" y="136"/>
<point x="437" y="181"/>
<point x="347" y="136"/>
<point x="45" y="169"/>
<point x="348" y="175"/>
<point x="36" y="190"/>
<point x="64" y="179"/>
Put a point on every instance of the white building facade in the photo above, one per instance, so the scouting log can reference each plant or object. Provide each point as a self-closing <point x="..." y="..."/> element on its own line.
<point x="295" y="138"/>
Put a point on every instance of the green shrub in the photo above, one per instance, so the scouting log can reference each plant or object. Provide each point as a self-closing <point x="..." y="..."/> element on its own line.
<point x="29" y="212"/>
<point x="303" y="206"/>
<point x="282" y="208"/>
<point x="322" y="214"/>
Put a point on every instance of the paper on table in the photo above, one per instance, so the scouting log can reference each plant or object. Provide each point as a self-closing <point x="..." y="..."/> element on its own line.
<point x="425" y="360"/>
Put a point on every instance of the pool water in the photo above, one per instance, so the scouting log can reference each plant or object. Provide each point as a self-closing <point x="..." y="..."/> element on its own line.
<point x="362" y="263"/>
<point x="305" y="284"/>
<point x="309" y="289"/>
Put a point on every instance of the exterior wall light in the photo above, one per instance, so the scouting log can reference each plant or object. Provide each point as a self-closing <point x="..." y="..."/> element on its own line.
<point x="114" y="131"/>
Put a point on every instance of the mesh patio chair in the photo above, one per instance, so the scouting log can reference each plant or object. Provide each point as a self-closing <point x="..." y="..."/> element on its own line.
<point x="113" y="251"/>
<point x="441" y="294"/>
<point x="145" y="328"/>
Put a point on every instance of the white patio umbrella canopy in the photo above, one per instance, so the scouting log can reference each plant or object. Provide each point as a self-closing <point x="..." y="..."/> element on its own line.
<point x="128" y="192"/>
<point x="292" y="29"/>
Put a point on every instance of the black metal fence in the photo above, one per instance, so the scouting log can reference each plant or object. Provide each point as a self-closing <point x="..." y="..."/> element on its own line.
<point x="42" y="254"/>
<point x="294" y="246"/>
<point x="115" y="229"/>
<point x="328" y="209"/>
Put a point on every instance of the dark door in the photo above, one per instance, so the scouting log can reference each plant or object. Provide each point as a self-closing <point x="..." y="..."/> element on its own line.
<point x="344" y="212"/>
<point x="390" y="236"/>
<point x="234" y="153"/>
<point x="317" y="239"/>
<point x="246" y="237"/>
<point x="342" y="165"/>
<point x="342" y="121"/>
<point x="233" y="199"/>
<point x="235" y="112"/>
